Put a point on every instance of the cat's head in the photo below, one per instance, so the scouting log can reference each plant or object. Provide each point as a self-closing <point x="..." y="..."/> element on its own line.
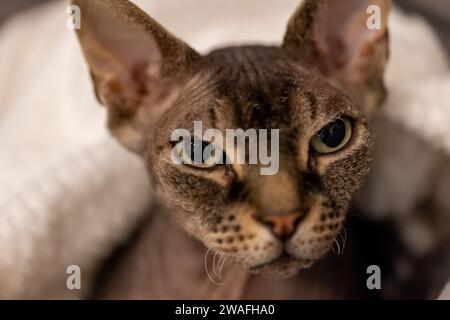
<point x="317" y="89"/>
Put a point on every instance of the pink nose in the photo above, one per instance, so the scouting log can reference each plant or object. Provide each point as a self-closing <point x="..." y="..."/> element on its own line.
<point x="282" y="226"/>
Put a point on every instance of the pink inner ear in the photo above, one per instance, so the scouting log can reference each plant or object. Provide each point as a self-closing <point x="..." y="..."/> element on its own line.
<point x="123" y="50"/>
<point x="342" y="33"/>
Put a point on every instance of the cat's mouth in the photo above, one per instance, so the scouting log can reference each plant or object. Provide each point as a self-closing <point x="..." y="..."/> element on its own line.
<point x="283" y="258"/>
<point x="282" y="266"/>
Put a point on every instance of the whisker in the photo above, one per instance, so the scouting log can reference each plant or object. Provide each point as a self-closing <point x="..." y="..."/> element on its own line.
<point x="207" y="269"/>
<point x="224" y="260"/>
<point x="339" y="236"/>
<point x="338" y="246"/>
<point x="345" y="237"/>
<point x="214" y="264"/>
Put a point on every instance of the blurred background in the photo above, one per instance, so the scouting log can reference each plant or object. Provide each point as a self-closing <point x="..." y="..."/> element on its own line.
<point x="437" y="13"/>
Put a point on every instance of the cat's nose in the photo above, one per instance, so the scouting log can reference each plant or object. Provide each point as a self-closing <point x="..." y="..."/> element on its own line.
<point x="283" y="226"/>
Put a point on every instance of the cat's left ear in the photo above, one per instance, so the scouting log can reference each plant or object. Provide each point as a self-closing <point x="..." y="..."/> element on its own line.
<point x="137" y="66"/>
<point x="347" y="41"/>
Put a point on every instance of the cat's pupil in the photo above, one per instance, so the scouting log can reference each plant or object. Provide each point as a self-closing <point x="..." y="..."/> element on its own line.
<point x="333" y="134"/>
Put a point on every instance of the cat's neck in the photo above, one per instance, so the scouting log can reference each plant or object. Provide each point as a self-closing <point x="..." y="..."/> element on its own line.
<point x="163" y="262"/>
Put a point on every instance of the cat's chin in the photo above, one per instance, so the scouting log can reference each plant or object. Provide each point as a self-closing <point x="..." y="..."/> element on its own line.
<point x="281" y="268"/>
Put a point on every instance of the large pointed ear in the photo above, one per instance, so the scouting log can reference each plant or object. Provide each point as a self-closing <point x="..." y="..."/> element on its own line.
<point x="347" y="41"/>
<point x="136" y="65"/>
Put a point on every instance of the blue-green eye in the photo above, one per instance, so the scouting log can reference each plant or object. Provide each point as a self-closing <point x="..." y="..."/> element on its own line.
<point x="333" y="137"/>
<point x="200" y="154"/>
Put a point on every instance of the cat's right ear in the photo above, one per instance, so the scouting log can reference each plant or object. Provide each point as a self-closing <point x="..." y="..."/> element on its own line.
<point x="347" y="41"/>
<point x="136" y="65"/>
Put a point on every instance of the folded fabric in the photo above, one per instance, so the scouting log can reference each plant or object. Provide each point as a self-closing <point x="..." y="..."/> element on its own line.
<point x="69" y="194"/>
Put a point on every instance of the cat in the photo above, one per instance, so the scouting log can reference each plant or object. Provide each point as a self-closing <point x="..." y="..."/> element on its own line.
<point x="320" y="89"/>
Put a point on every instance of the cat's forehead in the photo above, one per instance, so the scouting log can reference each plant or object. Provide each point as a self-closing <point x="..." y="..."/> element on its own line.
<point x="258" y="87"/>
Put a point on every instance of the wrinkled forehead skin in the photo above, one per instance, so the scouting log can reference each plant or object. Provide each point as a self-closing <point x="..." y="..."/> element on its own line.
<point x="257" y="88"/>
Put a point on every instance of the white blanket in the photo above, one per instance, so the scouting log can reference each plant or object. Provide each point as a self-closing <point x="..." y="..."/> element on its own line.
<point x="69" y="194"/>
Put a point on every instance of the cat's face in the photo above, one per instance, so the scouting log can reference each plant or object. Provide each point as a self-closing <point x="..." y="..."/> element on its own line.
<point x="274" y="224"/>
<point x="232" y="208"/>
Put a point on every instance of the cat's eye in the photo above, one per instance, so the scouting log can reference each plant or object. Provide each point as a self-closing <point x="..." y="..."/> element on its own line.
<point x="200" y="154"/>
<point x="333" y="137"/>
